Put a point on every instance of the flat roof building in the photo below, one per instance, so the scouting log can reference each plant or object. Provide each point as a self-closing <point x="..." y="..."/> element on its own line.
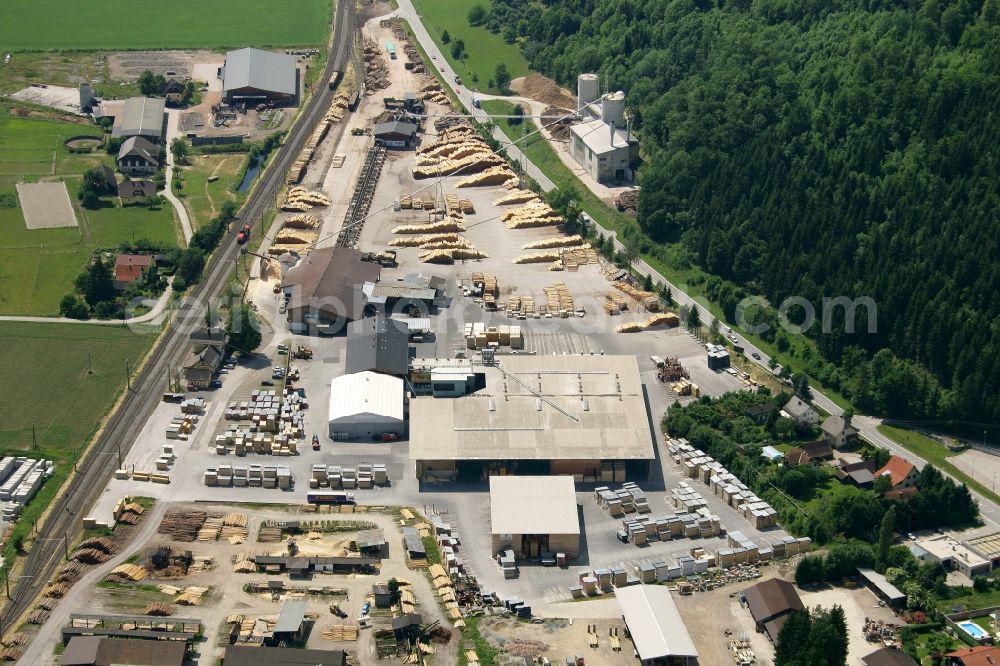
<point x="365" y="405"/>
<point x="251" y="655"/>
<point x="655" y="625"/>
<point x="952" y="554"/>
<point x="533" y="515"/>
<point x="140" y="116"/>
<point x="323" y="290"/>
<point x="378" y="344"/>
<point x="255" y="75"/>
<point x="536" y="415"/>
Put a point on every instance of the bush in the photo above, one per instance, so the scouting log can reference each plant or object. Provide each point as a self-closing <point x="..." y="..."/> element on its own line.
<point x="477" y="15"/>
<point x="74" y="307"/>
<point x="179" y="284"/>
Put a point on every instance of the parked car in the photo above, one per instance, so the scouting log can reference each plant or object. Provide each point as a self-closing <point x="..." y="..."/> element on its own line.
<point x="216" y="383"/>
<point x="267" y="382"/>
<point x="756" y="355"/>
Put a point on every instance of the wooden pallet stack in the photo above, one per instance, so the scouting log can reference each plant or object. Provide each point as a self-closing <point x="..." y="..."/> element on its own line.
<point x="559" y="299"/>
<point x="341" y="632"/>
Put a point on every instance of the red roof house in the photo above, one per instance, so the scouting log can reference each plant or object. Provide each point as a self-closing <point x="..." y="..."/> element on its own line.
<point x="901" y="473"/>
<point x="130" y="267"/>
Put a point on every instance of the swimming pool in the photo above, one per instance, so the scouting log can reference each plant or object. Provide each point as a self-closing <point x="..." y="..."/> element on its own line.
<point x="973" y="630"/>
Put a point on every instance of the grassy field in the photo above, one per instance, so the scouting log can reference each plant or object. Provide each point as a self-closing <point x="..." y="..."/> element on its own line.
<point x="484" y="50"/>
<point x="38" y="266"/>
<point x="202" y="198"/>
<point x="68" y="24"/>
<point x="936" y="454"/>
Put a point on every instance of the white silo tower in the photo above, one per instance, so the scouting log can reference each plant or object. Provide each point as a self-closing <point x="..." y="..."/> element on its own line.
<point x="613" y="108"/>
<point x="588" y="89"/>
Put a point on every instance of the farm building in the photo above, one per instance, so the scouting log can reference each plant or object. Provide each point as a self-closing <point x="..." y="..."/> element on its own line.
<point x="377" y="344"/>
<point x="770" y="603"/>
<point x="366" y="404"/>
<point x="655" y="626"/>
<point x="253" y="75"/>
<point x="134" y="191"/>
<point x="882" y="588"/>
<point x="253" y="655"/>
<point x="323" y="290"/>
<point x="396" y="134"/>
<point x="104" y="651"/>
<point x="533" y="515"/>
<point x="538" y="415"/>
<point x="140" y="116"/>
<point x="138" y="157"/>
<point x="130" y="267"/>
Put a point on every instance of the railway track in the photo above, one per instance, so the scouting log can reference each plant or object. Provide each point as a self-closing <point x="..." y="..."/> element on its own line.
<point x="124" y="424"/>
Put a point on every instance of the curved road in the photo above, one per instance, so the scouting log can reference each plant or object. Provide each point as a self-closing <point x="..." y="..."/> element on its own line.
<point x="867" y="425"/>
<point x="96" y="465"/>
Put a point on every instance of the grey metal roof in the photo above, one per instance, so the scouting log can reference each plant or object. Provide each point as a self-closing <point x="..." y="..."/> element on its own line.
<point x="654" y="622"/>
<point x="138" y="146"/>
<point x="882" y="584"/>
<point x="329" y="279"/>
<point x="140" y="116"/>
<point x="263" y="70"/>
<point x="293" y="613"/>
<point x="515" y="503"/>
<point x="377" y="344"/>
<point x="396" y="127"/>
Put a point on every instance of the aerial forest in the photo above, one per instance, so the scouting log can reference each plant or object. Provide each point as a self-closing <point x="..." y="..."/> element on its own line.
<point x="816" y="149"/>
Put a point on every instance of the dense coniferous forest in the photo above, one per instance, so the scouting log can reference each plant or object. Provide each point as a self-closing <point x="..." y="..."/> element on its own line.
<point x="817" y="148"/>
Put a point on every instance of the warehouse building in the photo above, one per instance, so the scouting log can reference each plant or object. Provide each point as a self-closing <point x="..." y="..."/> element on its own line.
<point x="770" y="603"/>
<point x="366" y="405"/>
<point x="253" y="75"/>
<point x="412" y="294"/>
<point x="534" y="515"/>
<point x="104" y="651"/>
<point x="323" y="290"/>
<point x="378" y="344"/>
<point x="655" y="626"/>
<point x="140" y="116"/>
<point x="533" y="415"/>
<point x="396" y="134"/>
<point x="253" y="655"/>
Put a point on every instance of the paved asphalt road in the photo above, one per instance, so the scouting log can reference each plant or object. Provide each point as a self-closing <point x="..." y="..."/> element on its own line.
<point x="866" y="425"/>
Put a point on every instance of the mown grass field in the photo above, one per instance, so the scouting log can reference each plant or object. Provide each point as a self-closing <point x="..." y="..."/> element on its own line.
<point x="485" y="50"/>
<point x="38" y="266"/>
<point x="109" y="24"/>
<point x="202" y="198"/>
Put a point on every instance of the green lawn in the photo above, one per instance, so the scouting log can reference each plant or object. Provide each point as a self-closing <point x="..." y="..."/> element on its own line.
<point x="108" y="24"/>
<point x="202" y="198"/>
<point x="484" y="50"/>
<point x="38" y="266"/>
<point x="936" y="454"/>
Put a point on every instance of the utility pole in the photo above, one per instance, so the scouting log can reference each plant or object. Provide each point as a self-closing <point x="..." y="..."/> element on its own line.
<point x="90" y="365"/>
<point x="66" y="544"/>
<point x="128" y="376"/>
<point x="34" y="440"/>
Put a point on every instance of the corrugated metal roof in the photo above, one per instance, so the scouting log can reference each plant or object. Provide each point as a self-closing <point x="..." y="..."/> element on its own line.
<point x="533" y="505"/>
<point x="293" y="613"/>
<point x="363" y="394"/>
<point x="654" y="623"/>
<point x="263" y="70"/>
<point x="882" y="584"/>
<point x="140" y="116"/>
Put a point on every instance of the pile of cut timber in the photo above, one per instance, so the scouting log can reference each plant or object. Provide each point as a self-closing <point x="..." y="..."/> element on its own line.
<point x="90" y="556"/>
<point x="627" y="200"/>
<point x="69" y="573"/>
<point x="450" y="256"/>
<point x="38" y="617"/>
<point x="615" y="302"/>
<point x="269" y="534"/>
<point x="516" y="196"/>
<point x="341" y="632"/>
<point x="556" y="241"/>
<point x="159" y="609"/>
<point x="191" y="596"/>
<point x="497" y="175"/>
<point x="57" y="591"/>
<point x="102" y="544"/>
<point x="537" y="257"/>
<point x="471" y="162"/>
<point x="418" y="241"/>
<point x="376" y="72"/>
<point x="439" y="227"/>
<point x="417" y="203"/>
<point x="300" y="199"/>
<point x="648" y="299"/>
<point x="572" y="257"/>
<point x="127" y="573"/>
<point x="210" y="529"/>
<point x="301" y="222"/>
<point x="558" y="298"/>
<point x="295" y="237"/>
<point x="182" y="525"/>
<point x="538" y="214"/>
<point x="234" y="525"/>
<point x="245" y="563"/>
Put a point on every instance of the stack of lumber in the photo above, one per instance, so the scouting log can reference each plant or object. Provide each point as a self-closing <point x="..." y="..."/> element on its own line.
<point x="558" y="298"/>
<point x="407" y="600"/>
<point x="191" y="596"/>
<point x="201" y="563"/>
<point x="56" y="591"/>
<point x="418" y="241"/>
<point x="131" y="513"/>
<point x="461" y="244"/>
<point x="182" y="525"/>
<point x="245" y="563"/>
<point x="441" y="226"/>
<point x="431" y="90"/>
<point x="537" y="257"/>
<point x="538" y="214"/>
<point x="125" y="573"/>
<point x="631" y="327"/>
<point x="555" y="242"/>
<point x="301" y="199"/>
<point x="159" y="609"/>
<point x="17" y="640"/>
<point x="301" y="222"/>
<point x="573" y="257"/>
<point x="234" y="524"/>
<point x="648" y="299"/>
<point x="450" y="256"/>
<point x="341" y="632"/>
<point x="269" y="534"/>
<point x="495" y="175"/>
<point x="169" y="590"/>
<point x="516" y="196"/>
<point x="471" y="161"/>
<point x="615" y="302"/>
<point x="210" y="529"/>
<point x="295" y="237"/>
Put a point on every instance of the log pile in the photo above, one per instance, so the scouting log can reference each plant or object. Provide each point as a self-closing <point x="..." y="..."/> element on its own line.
<point x="537" y="257"/>
<point x="627" y="200"/>
<point x="497" y="175"/>
<point x="440" y="227"/>
<point x="56" y="591"/>
<point x="418" y="241"/>
<point x="301" y="222"/>
<point x="182" y="525"/>
<point x="299" y="199"/>
<point x="294" y="237"/>
<point x="269" y="534"/>
<point x="336" y="112"/>
<point x="38" y="617"/>
<point x="245" y="563"/>
<point x="451" y="256"/>
<point x="158" y="609"/>
<point x="70" y="573"/>
<point x="538" y="214"/>
<point x="191" y="596"/>
<point x="658" y="319"/>
<point x="127" y="573"/>
<point x="234" y="525"/>
<point x="516" y="196"/>
<point x="556" y="242"/>
<point x="90" y="556"/>
<point x="210" y="529"/>
<point x="376" y="72"/>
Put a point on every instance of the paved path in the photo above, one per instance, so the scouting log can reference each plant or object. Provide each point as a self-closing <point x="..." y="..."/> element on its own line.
<point x="866" y="425"/>
<point x="39" y="651"/>
<point x="154" y="316"/>
<point x="173" y="131"/>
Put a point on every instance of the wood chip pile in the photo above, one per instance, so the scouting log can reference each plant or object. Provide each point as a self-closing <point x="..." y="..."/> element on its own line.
<point x="182" y="525"/>
<point x="538" y="214"/>
<point x="559" y="129"/>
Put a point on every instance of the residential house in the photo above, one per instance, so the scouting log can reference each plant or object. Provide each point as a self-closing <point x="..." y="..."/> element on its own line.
<point x="396" y="134"/>
<point x="901" y="473"/>
<point x="770" y="603"/>
<point x="814" y="453"/>
<point x="130" y="267"/>
<point x="208" y="349"/>
<point x="801" y="412"/>
<point x="759" y="413"/>
<point x="839" y="432"/>
<point x="138" y="157"/>
<point x="173" y="92"/>
<point x="109" y="178"/>
<point x="983" y="655"/>
<point x="135" y="191"/>
<point x="859" y="474"/>
<point x="888" y="657"/>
